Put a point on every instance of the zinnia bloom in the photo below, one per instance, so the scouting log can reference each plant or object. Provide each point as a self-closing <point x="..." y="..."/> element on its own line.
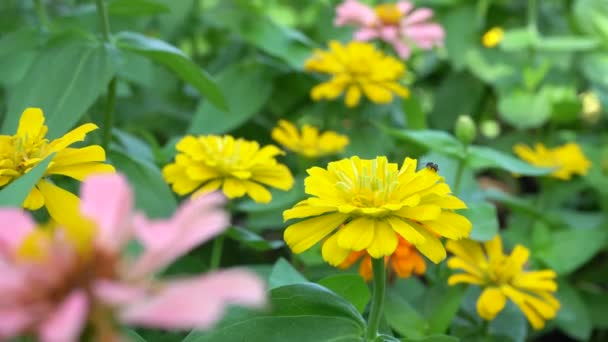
<point x="21" y="152"/>
<point x="377" y="201"/>
<point x="493" y="37"/>
<point x="395" y="23"/>
<point x="238" y="166"/>
<point x="357" y="68"/>
<point x="566" y="160"/>
<point x="503" y="276"/>
<point x="309" y="143"/>
<point x="56" y="281"/>
<point x="403" y="262"/>
<point x="591" y="107"/>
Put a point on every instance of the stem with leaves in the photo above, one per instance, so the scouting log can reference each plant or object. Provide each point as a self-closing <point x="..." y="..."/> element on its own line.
<point x="108" y="121"/>
<point x="376" y="311"/>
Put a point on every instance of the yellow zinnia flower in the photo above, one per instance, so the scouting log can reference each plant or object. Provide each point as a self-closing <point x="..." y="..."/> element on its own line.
<point x="502" y="276"/>
<point x="357" y="67"/>
<point x="567" y="159"/>
<point x="310" y="143"/>
<point x="493" y="37"/>
<point x="238" y="166"/>
<point x="591" y="107"/>
<point x="21" y="152"/>
<point x="377" y="202"/>
<point x="404" y="261"/>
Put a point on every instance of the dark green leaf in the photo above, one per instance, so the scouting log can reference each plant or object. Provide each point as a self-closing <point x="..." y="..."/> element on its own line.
<point x="13" y="194"/>
<point x="597" y="304"/>
<point x="462" y="34"/>
<point x="174" y="59"/>
<point x="524" y="110"/>
<point x="481" y="157"/>
<point x="571" y="248"/>
<point x="351" y="287"/>
<point x="436" y="141"/>
<point x="403" y="318"/>
<point x="415" y="117"/>
<point x="284" y="274"/>
<point x="433" y="338"/>
<point x="136" y="7"/>
<point x="573" y="316"/>
<point x="253" y="240"/>
<point x="440" y="306"/>
<point x="484" y="218"/>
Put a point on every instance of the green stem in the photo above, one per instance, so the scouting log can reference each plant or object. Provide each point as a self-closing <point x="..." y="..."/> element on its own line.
<point x="532" y="15"/>
<point x="482" y="10"/>
<point x="43" y="19"/>
<point x="196" y="12"/>
<point x="216" y="252"/>
<point x="109" y="118"/>
<point x="460" y="171"/>
<point x="104" y="19"/>
<point x="375" y="314"/>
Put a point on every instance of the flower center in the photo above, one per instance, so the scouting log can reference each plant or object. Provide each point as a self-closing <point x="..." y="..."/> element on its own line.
<point x="371" y="188"/>
<point x="18" y="154"/>
<point x="389" y="14"/>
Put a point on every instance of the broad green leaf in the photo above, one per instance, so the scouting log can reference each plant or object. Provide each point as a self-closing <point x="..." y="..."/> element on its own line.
<point x="351" y="287"/>
<point x="461" y="34"/>
<point x="495" y="67"/>
<point x="284" y="274"/>
<point x="573" y="316"/>
<point x="510" y="325"/>
<point x="571" y="248"/>
<point x="367" y="142"/>
<point x="403" y="317"/>
<point x="524" y="110"/>
<point x="436" y="141"/>
<point x="13" y="194"/>
<point x="459" y="93"/>
<point x="481" y="157"/>
<point x="253" y="240"/>
<point x="518" y="40"/>
<point x="152" y="194"/>
<point x="247" y="87"/>
<point x="597" y="305"/>
<point x="64" y="94"/>
<point x="136" y="7"/>
<point x="174" y="59"/>
<point x="440" y="306"/>
<point x="566" y="44"/>
<point x="484" y="218"/>
<point x="414" y="115"/>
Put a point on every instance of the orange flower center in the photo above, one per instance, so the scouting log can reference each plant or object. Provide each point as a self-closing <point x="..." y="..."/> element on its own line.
<point x="388" y="14"/>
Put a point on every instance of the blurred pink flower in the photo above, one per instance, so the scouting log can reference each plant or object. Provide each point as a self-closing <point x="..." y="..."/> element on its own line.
<point x="398" y="24"/>
<point x="55" y="281"/>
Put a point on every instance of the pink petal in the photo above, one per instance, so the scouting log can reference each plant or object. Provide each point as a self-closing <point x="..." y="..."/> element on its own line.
<point x="115" y="293"/>
<point x="418" y="16"/>
<point x="107" y="199"/>
<point x="195" y="222"/>
<point x="388" y="33"/>
<point x="404" y="6"/>
<point x="15" y="225"/>
<point x="67" y="322"/>
<point x="366" y="34"/>
<point x="402" y="49"/>
<point x="352" y="12"/>
<point x="12" y="279"/>
<point x="13" y="321"/>
<point x="197" y="302"/>
<point x="425" y="35"/>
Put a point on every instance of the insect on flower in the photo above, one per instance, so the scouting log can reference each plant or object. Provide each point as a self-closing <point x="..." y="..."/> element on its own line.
<point x="432" y="166"/>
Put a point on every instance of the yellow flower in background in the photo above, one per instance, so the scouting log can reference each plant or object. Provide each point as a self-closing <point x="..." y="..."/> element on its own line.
<point x="238" y="166"/>
<point x="567" y="160"/>
<point x="404" y="261"/>
<point x="493" y="37"/>
<point x="309" y="143"/>
<point x="376" y="201"/>
<point x="592" y="107"/>
<point x="357" y="68"/>
<point x="21" y="152"/>
<point x="503" y="276"/>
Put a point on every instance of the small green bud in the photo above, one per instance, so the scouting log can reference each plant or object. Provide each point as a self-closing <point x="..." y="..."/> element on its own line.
<point x="465" y="129"/>
<point x="490" y="129"/>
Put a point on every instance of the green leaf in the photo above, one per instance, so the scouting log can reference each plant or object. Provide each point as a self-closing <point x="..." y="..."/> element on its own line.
<point x="253" y="240"/>
<point x="571" y="248"/>
<point x="436" y="141"/>
<point x="518" y="40"/>
<point x="597" y="304"/>
<point x="284" y="274"/>
<point x="15" y="193"/>
<point x="152" y="194"/>
<point x="351" y="287"/>
<point x="484" y="218"/>
<point x="247" y="87"/>
<point x="63" y="93"/>
<point x="136" y="7"/>
<point x="415" y="117"/>
<point x="174" y="59"/>
<point x="441" y="305"/>
<point x="461" y="34"/>
<point x="481" y="157"/>
<point x="566" y="44"/>
<point x="524" y="110"/>
<point x="133" y="336"/>
<point x="573" y="317"/>
<point x="433" y="338"/>
<point x="403" y="318"/>
<point x="594" y="67"/>
<point x="459" y="93"/>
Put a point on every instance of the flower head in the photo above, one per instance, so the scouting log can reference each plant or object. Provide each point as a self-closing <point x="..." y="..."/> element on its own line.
<point x="357" y="68"/>
<point x="591" y="107"/>
<point x="377" y="201"/>
<point x="21" y="152"/>
<point x="404" y="261"/>
<point x="55" y="281"/>
<point x="567" y="160"/>
<point x="395" y="23"/>
<point x="503" y="276"/>
<point x="493" y="37"/>
<point x="238" y="166"/>
<point x="309" y="143"/>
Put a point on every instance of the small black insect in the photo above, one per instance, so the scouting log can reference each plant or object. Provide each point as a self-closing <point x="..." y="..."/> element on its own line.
<point x="432" y="166"/>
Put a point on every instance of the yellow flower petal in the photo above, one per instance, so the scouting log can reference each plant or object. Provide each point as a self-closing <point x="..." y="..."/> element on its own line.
<point x="357" y="235"/>
<point x="406" y="231"/>
<point x="303" y="235"/>
<point x="464" y="278"/>
<point x="75" y="135"/>
<point x="31" y="124"/>
<point x="34" y="200"/>
<point x="490" y="303"/>
<point x="385" y="240"/>
<point x="257" y="192"/>
<point x="332" y="253"/>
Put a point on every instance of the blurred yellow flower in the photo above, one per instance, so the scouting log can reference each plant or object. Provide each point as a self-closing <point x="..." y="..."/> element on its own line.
<point x="238" y="166"/>
<point x="21" y="152"/>
<point x="357" y="68"/>
<point x="592" y="107"/>
<point x="377" y="202"/>
<point x="493" y="37"/>
<point x="567" y="159"/>
<point x="502" y="276"/>
<point x="404" y="261"/>
<point x="309" y="143"/>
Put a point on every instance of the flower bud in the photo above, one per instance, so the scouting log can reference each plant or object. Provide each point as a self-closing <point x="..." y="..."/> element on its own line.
<point x="592" y="107"/>
<point x="490" y="129"/>
<point x="465" y="129"/>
